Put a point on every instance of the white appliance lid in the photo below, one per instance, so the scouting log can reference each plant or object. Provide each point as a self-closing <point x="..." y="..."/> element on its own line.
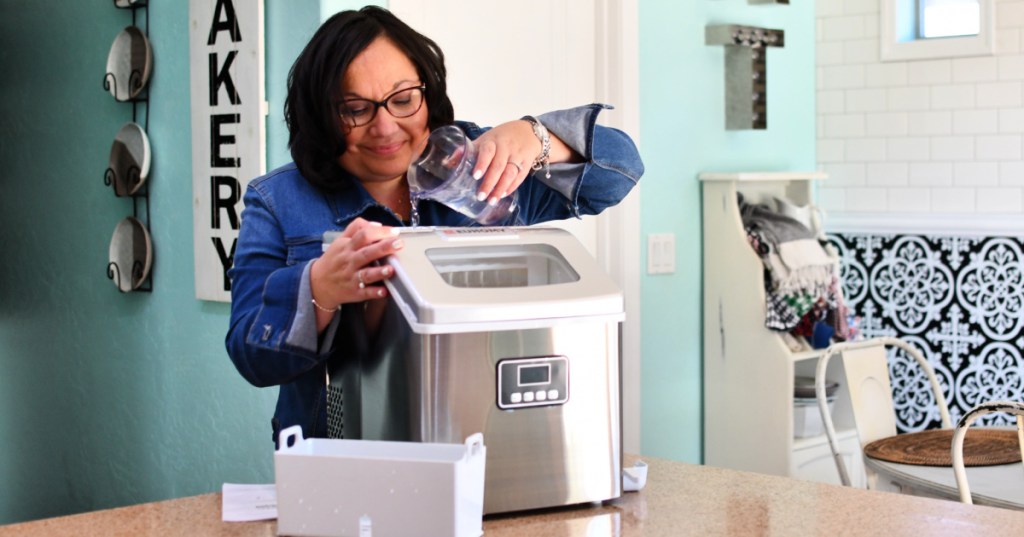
<point x="498" y="277"/>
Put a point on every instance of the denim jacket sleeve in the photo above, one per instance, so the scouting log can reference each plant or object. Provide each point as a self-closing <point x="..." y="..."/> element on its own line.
<point x="272" y="337"/>
<point x="611" y="167"/>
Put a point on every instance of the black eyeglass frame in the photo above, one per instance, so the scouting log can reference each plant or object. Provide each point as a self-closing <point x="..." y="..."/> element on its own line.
<point x="377" y="105"/>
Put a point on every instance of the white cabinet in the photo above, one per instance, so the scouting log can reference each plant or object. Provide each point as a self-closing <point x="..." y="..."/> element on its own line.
<point x="812" y="459"/>
<point x="749" y="370"/>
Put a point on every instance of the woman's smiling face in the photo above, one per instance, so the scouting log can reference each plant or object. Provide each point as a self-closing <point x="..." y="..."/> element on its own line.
<point x="382" y="149"/>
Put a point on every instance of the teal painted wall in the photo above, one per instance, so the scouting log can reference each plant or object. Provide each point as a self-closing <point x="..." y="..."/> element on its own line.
<point x="109" y="399"/>
<point x="682" y="133"/>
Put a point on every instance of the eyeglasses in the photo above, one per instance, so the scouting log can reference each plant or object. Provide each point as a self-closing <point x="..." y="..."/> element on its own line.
<point x="402" y="103"/>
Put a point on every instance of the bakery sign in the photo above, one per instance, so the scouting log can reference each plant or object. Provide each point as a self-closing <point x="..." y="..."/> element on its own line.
<point x="228" y="130"/>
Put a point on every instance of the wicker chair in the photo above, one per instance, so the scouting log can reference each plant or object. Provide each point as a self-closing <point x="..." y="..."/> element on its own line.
<point x="866" y="369"/>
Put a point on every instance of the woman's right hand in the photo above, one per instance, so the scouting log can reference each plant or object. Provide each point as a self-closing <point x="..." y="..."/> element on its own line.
<point x="348" y="271"/>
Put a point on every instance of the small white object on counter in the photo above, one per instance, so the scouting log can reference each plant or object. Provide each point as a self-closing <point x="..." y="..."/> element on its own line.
<point x="634" y="479"/>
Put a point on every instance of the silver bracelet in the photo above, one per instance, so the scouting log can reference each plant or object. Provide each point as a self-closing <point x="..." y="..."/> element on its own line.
<point x="541" y="132"/>
<point x="321" y="308"/>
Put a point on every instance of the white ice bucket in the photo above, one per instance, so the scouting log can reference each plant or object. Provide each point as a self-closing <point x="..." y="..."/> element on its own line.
<point x="334" y="488"/>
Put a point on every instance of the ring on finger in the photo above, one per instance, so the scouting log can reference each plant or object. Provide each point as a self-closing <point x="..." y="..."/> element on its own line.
<point x="359" y="276"/>
<point x="519" y="167"/>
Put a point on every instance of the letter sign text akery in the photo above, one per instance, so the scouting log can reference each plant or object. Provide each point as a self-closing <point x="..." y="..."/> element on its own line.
<point x="228" y="130"/>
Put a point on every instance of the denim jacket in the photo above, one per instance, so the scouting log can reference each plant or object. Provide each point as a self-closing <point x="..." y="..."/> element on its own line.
<point x="272" y="338"/>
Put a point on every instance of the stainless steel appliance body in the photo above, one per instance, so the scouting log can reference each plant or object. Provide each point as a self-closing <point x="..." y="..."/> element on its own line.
<point x="510" y="332"/>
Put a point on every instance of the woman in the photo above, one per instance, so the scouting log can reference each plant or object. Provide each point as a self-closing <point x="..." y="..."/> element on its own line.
<point x="362" y="96"/>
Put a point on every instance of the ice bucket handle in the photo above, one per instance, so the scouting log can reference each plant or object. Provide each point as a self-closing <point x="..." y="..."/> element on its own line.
<point x="474" y="443"/>
<point x="289" y="438"/>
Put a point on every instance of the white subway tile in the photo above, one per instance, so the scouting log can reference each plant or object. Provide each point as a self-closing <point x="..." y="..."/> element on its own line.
<point x="999" y="200"/>
<point x="929" y="72"/>
<point x="953" y="200"/>
<point x="861" y="50"/>
<point x="999" y="147"/>
<point x="829" y="53"/>
<point x="865" y="149"/>
<point x="888" y="124"/>
<point x="975" y="122"/>
<point x="871" y="25"/>
<point x="1007" y="41"/>
<point x="932" y="122"/>
<point x="829" y="8"/>
<point x="952" y="96"/>
<point x="860" y="7"/>
<point x="975" y="69"/>
<point x="831" y="199"/>
<point x="888" y="74"/>
<point x="842" y="28"/>
<point x="843" y="126"/>
<point x="888" y="174"/>
<point x="866" y="100"/>
<point x="975" y="174"/>
<point x="831" y="150"/>
<point x="999" y="94"/>
<point x="1011" y="67"/>
<point x="865" y="200"/>
<point x="931" y="174"/>
<point x="953" y="147"/>
<point x="841" y="76"/>
<point x="909" y="149"/>
<point x="831" y="102"/>
<point x="1011" y="120"/>
<point x="1011" y="173"/>
<point x="819" y="30"/>
<point x="909" y="200"/>
<point x="1009" y="14"/>
<point x="845" y="174"/>
<point x="909" y="98"/>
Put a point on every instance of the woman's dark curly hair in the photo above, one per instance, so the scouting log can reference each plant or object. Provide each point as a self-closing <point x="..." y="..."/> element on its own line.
<point x="314" y="133"/>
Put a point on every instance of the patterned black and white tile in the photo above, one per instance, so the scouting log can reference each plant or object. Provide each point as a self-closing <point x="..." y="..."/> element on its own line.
<point x="958" y="299"/>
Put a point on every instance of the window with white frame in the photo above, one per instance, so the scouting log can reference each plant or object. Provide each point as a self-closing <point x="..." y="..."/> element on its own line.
<point x="922" y="29"/>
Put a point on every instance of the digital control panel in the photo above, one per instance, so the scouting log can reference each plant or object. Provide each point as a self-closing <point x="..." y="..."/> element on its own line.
<point x="535" y="381"/>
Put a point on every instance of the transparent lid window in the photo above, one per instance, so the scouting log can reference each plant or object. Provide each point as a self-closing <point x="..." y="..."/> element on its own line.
<point x="512" y="265"/>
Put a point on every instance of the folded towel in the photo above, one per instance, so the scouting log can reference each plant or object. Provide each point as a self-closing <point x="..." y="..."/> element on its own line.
<point x="795" y="258"/>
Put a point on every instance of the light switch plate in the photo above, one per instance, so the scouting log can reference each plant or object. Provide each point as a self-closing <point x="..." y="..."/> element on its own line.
<point x="661" y="253"/>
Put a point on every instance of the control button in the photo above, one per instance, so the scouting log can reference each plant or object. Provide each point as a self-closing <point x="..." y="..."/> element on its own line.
<point x="528" y="397"/>
<point x="541" y="395"/>
<point x="516" y="397"/>
<point x="552" y="394"/>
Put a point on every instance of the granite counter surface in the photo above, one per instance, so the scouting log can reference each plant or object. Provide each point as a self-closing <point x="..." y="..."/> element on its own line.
<point x="679" y="499"/>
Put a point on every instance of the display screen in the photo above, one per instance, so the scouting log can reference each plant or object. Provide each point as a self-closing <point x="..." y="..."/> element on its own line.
<point x="534" y="374"/>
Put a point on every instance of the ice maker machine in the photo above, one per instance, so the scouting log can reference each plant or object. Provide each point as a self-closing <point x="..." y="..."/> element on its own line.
<point x="511" y="332"/>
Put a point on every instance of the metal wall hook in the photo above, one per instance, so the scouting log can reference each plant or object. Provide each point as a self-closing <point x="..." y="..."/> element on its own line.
<point x="110" y="81"/>
<point x="114" y="273"/>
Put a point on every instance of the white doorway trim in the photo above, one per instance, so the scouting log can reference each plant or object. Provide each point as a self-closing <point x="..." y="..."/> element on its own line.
<point x="618" y="233"/>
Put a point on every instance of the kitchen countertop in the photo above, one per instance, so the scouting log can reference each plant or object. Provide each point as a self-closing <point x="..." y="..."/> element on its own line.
<point x="679" y="499"/>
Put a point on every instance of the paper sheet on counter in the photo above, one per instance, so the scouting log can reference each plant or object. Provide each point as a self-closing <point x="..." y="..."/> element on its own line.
<point x="245" y="503"/>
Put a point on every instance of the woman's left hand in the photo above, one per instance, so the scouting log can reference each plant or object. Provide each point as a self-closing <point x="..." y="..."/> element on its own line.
<point x="503" y="159"/>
